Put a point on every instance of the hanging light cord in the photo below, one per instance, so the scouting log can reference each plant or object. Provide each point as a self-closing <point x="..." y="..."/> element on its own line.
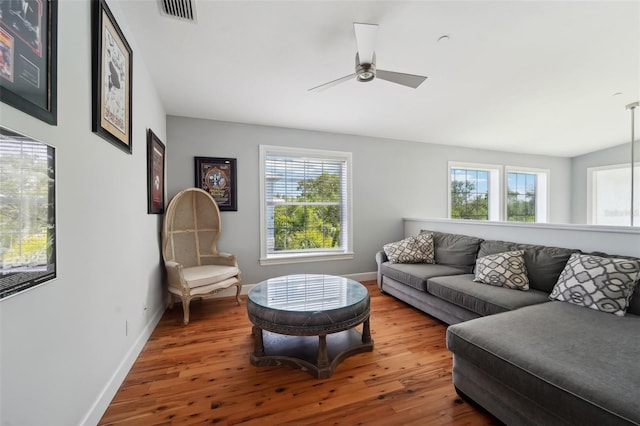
<point x="632" y="107"/>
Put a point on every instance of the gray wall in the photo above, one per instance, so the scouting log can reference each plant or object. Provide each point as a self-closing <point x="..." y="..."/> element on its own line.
<point x="392" y="179"/>
<point x="64" y="346"/>
<point x="619" y="154"/>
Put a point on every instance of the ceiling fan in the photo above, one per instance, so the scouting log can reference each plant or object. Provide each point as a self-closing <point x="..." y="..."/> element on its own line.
<point x="366" y="63"/>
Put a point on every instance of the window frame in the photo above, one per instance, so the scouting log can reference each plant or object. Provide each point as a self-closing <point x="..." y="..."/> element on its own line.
<point x="315" y="255"/>
<point x="493" y="186"/>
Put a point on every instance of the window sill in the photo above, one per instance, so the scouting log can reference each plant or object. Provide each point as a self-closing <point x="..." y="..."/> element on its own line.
<point x="302" y="258"/>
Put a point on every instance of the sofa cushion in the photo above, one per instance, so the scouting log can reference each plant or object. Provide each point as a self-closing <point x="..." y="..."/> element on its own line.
<point x="414" y="249"/>
<point x="602" y="283"/>
<point x="417" y="274"/>
<point x="482" y="299"/>
<point x="455" y="250"/>
<point x="575" y="361"/>
<point x="503" y="270"/>
<point x="544" y="264"/>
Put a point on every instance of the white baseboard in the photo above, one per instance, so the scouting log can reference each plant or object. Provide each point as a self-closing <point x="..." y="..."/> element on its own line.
<point x="101" y="404"/>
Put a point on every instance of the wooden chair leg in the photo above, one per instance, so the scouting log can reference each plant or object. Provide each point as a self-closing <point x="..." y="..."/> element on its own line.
<point x="185" y="308"/>
<point x="238" y="289"/>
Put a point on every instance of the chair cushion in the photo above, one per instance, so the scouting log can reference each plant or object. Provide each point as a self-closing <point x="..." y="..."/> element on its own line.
<point x="198" y="276"/>
<point x="481" y="298"/>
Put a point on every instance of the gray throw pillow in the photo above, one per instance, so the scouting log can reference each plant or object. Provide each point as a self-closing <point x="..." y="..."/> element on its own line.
<point x="418" y="249"/>
<point x="503" y="269"/>
<point x="600" y="283"/>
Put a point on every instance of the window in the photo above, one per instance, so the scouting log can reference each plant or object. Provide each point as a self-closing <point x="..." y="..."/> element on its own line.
<point x="305" y="205"/>
<point x="476" y="192"/>
<point x="526" y="195"/>
<point x="609" y="199"/>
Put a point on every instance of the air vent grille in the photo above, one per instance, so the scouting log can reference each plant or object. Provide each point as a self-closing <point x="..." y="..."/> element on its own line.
<point x="179" y="9"/>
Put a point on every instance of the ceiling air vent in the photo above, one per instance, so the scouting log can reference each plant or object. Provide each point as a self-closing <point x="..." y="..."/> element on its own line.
<point x="179" y="9"/>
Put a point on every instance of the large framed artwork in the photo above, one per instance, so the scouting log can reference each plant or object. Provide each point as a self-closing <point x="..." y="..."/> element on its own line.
<point x="28" y="57"/>
<point x="112" y="74"/>
<point x="217" y="176"/>
<point x="155" y="174"/>
<point x="27" y="213"/>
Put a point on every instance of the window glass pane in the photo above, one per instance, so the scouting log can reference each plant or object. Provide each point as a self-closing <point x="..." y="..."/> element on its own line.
<point x="521" y="197"/>
<point x="611" y="200"/>
<point x="469" y="194"/>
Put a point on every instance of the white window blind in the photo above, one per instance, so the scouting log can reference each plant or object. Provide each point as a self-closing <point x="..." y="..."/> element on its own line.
<point x="305" y="202"/>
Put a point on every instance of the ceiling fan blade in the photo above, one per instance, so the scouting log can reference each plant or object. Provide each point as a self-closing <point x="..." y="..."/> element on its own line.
<point x="331" y="83"/>
<point x="366" y="41"/>
<point x="408" y="80"/>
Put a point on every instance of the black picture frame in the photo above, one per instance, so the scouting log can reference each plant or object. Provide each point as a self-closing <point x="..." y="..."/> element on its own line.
<point x="155" y="174"/>
<point x="31" y="259"/>
<point x="112" y="79"/>
<point x="29" y="55"/>
<point x="218" y="177"/>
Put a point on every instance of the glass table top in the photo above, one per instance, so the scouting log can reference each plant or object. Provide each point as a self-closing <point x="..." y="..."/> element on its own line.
<point x="307" y="293"/>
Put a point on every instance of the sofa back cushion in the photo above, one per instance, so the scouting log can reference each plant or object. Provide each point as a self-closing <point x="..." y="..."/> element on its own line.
<point x="455" y="250"/>
<point x="544" y="264"/>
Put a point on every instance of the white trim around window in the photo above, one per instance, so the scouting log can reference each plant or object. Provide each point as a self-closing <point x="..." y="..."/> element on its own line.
<point x="269" y="199"/>
<point x="494" y="186"/>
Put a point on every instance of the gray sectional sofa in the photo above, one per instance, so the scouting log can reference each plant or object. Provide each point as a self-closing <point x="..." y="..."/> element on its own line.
<point x="526" y="359"/>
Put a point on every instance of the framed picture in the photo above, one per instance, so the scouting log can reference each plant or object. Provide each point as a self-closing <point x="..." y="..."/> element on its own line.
<point x="217" y="176"/>
<point x="112" y="73"/>
<point x="28" y="231"/>
<point x="155" y="174"/>
<point x="28" y="57"/>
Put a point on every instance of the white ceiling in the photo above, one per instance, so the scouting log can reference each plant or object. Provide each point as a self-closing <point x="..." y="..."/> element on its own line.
<point x="522" y="76"/>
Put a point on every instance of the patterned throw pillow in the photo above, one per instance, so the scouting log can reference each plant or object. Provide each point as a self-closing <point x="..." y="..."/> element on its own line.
<point x="503" y="269"/>
<point x="411" y="250"/>
<point x="600" y="283"/>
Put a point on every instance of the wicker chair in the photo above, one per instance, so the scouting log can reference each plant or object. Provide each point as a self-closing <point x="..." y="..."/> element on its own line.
<point x="195" y="268"/>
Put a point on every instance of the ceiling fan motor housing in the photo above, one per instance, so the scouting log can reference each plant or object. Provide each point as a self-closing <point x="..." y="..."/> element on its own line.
<point x="365" y="72"/>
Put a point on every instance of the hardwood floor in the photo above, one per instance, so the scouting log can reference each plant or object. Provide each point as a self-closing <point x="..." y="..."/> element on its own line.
<point x="200" y="373"/>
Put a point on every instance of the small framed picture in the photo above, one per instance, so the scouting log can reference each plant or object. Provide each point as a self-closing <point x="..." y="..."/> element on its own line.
<point x="112" y="73"/>
<point x="155" y="174"/>
<point x="217" y="176"/>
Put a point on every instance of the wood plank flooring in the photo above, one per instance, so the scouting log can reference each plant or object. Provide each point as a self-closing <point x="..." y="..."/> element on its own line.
<point x="200" y="373"/>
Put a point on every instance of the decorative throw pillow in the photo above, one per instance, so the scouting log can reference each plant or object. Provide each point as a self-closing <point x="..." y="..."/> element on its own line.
<point x="411" y="250"/>
<point x="426" y="245"/>
<point x="503" y="269"/>
<point x="602" y="283"/>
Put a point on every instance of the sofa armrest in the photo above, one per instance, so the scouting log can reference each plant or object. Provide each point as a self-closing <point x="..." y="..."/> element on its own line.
<point x="381" y="257"/>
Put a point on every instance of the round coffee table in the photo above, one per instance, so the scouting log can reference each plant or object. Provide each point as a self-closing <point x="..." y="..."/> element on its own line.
<point x="309" y="322"/>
